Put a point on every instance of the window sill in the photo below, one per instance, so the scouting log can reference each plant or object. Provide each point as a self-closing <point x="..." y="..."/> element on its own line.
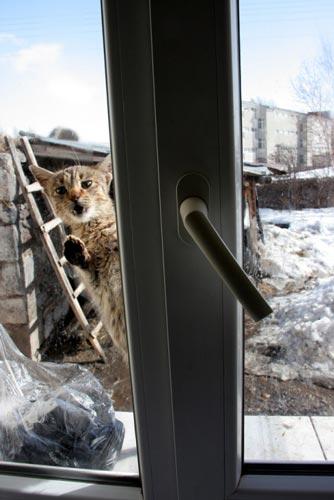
<point x="289" y="438"/>
<point x="128" y="459"/>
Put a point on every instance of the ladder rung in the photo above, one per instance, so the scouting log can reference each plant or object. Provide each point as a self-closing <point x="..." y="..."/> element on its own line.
<point x="79" y="289"/>
<point x="97" y="347"/>
<point x="48" y="226"/>
<point x="96" y="329"/>
<point x="62" y="261"/>
<point x="35" y="186"/>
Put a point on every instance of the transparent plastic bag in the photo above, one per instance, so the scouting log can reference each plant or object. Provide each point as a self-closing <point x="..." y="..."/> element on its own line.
<point x="54" y="414"/>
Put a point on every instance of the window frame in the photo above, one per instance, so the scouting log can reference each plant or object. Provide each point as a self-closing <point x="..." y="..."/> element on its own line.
<point x="135" y="87"/>
<point x="127" y="71"/>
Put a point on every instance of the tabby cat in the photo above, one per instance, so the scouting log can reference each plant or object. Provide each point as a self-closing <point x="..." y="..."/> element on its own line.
<point x="80" y="197"/>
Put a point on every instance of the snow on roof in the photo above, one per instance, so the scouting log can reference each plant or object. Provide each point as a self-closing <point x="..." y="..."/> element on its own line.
<point x="51" y="147"/>
<point x="84" y="146"/>
<point x="256" y="169"/>
<point x="315" y="173"/>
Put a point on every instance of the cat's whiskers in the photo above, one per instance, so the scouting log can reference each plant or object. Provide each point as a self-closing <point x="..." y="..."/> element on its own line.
<point x="76" y="158"/>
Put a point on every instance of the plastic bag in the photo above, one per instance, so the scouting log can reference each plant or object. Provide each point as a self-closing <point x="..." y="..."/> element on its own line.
<point x="54" y="414"/>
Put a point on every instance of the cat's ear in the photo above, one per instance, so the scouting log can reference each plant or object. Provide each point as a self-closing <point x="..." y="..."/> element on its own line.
<point x="42" y="175"/>
<point x="109" y="181"/>
<point x="105" y="165"/>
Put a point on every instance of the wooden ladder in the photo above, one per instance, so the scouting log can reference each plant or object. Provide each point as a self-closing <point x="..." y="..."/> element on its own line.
<point x="45" y="228"/>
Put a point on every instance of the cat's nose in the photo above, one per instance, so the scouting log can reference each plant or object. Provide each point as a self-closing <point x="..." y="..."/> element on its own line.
<point x="74" y="194"/>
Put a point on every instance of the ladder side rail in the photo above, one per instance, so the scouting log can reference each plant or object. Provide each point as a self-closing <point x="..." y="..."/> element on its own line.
<point x="32" y="161"/>
<point x="52" y="252"/>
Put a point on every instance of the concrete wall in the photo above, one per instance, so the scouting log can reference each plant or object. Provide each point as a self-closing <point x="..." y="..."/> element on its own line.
<point x="31" y="301"/>
<point x="261" y="134"/>
<point x="249" y="124"/>
<point x="282" y="128"/>
<point x="319" y="137"/>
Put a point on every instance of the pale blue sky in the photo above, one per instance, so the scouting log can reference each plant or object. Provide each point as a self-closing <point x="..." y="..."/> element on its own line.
<point x="52" y="68"/>
<point x="276" y="36"/>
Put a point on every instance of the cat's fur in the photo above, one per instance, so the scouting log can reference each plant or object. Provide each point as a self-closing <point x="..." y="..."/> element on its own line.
<point x="80" y="197"/>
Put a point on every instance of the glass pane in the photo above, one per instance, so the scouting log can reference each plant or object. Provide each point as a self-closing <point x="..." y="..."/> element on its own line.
<point x="65" y="393"/>
<point x="287" y="72"/>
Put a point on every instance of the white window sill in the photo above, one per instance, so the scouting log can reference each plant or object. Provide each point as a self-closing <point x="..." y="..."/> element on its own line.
<point x="128" y="459"/>
<point x="287" y="438"/>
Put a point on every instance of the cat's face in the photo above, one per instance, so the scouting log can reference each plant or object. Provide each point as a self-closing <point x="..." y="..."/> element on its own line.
<point x="78" y="194"/>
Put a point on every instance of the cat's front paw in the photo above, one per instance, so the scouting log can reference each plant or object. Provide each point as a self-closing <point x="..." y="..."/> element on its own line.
<point x="76" y="252"/>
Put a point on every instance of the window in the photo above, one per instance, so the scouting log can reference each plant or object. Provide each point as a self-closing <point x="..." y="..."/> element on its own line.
<point x="288" y="415"/>
<point x="66" y="398"/>
<point x="185" y="328"/>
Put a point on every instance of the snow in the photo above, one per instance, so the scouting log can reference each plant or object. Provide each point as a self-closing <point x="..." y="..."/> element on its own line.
<point x="297" y="340"/>
<point x="303" y="252"/>
<point x="317" y="173"/>
<point x="246" y="218"/>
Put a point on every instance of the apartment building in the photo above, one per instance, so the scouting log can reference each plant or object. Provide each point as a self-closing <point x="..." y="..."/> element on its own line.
<point x="319" y="139"/>
<point x="286" y="137"/>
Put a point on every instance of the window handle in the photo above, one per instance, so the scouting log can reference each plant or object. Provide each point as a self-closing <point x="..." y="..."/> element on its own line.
<point x="194" y="215"/>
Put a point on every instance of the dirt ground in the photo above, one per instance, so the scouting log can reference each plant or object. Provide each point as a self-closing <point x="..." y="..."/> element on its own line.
<point x="270" y="396"/>
<point x="262" y="395"/>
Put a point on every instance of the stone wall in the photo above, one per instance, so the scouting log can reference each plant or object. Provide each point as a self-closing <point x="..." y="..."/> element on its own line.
<point x="31" y="300"/>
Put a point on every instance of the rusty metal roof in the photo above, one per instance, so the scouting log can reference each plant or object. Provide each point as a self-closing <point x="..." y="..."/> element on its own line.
<point x="256" y="169"/>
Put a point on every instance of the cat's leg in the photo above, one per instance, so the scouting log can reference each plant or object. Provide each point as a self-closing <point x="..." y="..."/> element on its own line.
<point x="76" y="252"/>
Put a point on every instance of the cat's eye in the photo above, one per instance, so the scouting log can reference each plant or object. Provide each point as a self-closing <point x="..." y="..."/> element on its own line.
<point x="61" y="190"/>
<point x="86" y="184"/>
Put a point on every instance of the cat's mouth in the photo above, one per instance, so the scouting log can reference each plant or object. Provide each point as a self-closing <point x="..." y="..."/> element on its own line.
<point x="78" y="210"/>
<point x="81" y="214"/>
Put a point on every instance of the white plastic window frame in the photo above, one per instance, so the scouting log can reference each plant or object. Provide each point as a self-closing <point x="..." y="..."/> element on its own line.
<point x="164" y="474"/>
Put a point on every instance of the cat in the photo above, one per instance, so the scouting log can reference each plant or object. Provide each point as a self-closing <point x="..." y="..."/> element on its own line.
<point x="80" y="197"/>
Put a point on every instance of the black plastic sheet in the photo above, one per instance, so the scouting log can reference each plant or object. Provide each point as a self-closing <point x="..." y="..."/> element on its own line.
<point x="54" y="414"/>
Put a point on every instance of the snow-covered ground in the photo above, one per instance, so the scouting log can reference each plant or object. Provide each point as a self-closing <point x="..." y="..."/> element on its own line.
<point x="297" y="340"/>
<point x="305" y="251"/>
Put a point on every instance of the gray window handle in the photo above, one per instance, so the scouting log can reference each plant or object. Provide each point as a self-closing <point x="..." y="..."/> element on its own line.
<point x="194" y="214"/>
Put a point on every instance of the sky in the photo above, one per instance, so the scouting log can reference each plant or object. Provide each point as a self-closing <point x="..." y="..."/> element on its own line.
<point x="52" y="66"/>
<point x="276" y="37"/>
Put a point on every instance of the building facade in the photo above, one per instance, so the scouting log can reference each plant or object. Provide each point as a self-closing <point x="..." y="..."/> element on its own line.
<point x="285" y="137"/>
